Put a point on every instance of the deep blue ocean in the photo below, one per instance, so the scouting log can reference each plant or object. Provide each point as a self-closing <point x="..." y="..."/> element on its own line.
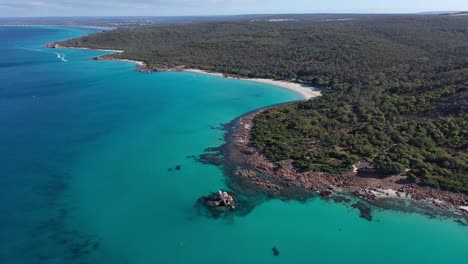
<point x="85" y="152"/>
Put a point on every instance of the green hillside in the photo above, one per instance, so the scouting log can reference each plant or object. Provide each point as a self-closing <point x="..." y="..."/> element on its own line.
<point x="394" y="88"/>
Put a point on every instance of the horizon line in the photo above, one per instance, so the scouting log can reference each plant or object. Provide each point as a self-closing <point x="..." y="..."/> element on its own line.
<point x="249" y="14"/>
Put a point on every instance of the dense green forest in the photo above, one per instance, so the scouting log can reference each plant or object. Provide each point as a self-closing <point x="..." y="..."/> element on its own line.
<point x="394" y="88"/>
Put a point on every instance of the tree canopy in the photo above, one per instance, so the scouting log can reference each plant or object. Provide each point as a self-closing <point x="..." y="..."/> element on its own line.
<point x="394" y="88"/>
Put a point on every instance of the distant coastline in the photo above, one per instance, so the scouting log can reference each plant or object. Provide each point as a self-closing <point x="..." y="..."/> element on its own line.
<point x="58" y="25"/>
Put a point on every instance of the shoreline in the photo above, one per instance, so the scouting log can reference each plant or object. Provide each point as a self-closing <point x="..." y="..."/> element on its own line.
<point x="140" y="64"/>
<point x="264" y="175"/>
<point x="305" y="91"/>
<point x="247" y="166"/>
<point x="106" y="50"/>
<point x="58" y="25"/>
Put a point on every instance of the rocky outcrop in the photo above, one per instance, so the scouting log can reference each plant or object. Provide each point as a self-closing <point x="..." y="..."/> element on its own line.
<point x="220" y="199"/>
<point x="53" y="46"/>
<point x="252" y="166"/>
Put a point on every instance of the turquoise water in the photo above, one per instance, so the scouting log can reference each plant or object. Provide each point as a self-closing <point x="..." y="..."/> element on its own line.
<point x="85" y="149"/>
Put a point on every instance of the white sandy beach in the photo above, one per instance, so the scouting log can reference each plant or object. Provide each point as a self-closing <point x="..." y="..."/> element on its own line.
<point x="139" y="63"/>
<point x="306" y="92"/>
<point x="107" y="50"/>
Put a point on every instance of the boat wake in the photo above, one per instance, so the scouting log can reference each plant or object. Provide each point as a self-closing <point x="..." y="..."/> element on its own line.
<point x="60" y="56"/>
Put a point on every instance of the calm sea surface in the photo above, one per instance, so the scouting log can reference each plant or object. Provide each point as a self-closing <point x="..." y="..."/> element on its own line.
<point x="85" y="149"/>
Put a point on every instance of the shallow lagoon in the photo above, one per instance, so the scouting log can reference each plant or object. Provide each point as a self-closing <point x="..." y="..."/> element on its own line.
<point x="86" y="149"/>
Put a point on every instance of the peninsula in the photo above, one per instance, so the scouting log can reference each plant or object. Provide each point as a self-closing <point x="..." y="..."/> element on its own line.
<point x="392" y="118"/>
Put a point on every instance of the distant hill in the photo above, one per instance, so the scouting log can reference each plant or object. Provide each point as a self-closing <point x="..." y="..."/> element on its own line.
<point x="459" y="14"/>
<point x="144" y="21"/>
<point x="438" y="12"/>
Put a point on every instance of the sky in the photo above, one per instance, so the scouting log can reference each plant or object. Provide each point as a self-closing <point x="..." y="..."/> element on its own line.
<point x="27" y="8"/>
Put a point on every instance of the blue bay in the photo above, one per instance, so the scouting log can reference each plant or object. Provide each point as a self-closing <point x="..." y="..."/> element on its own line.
<point x="85" y="148"/>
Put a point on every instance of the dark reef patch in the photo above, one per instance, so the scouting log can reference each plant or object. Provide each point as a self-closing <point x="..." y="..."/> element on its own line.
<point x="211" y="156"/>
<point x="341" y="199"/>
<point x="211" y="159"/>
<point x="176" y="168"/>
<point x="275" y="251"/>
<point x="364" y="210"/>
<point x="51" y="240"/>
<point x="462" y="222"/>
<point x="219" y="127"/>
